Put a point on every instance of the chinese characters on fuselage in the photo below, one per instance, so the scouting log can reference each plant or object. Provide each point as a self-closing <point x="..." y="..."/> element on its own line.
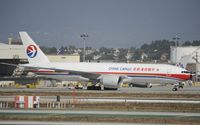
<point x="146" y="69"/>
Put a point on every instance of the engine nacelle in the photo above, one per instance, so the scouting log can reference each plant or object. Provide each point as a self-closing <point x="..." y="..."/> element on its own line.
<point x="111" y="82"/>
<point x="142" y="85"/>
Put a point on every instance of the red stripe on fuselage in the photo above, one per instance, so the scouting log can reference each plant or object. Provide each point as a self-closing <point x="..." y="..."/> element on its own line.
<point x="177" y="76"/>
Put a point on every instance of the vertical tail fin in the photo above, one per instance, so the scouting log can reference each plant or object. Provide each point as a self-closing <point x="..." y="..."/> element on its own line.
<point x="32" y="50"/>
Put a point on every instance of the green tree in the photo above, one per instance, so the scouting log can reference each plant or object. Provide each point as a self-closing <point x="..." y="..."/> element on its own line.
<point x="49" y="50"/>
<point x="157" y="48"/>
<point x="122" y="54"/>
<point x="187" y="43"/>
<point x="196" y="43"/>
<point x="137" y="54"/>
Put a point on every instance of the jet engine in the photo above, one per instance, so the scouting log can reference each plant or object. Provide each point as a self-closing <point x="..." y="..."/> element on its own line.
<point x="140" y="85"/>
<point x="111" y="82"/>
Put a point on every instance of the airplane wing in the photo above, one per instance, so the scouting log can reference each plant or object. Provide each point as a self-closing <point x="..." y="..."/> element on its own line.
<point x="9" y="64"/>
<point x="51" y="71"/>
<point x="89" y="75"/>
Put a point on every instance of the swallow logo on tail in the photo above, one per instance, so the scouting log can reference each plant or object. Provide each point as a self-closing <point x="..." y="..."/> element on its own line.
<point x="31" y="51"/>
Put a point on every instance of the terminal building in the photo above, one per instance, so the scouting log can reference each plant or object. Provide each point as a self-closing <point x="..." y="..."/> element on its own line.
<point x="176" y="53"/>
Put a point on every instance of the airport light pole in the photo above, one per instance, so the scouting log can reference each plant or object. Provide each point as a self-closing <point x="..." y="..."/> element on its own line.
<point x="176" y="39"/>
<point x="197" y="65"/>
<point x="84" y="36"/>
<point x="197" y="70"/>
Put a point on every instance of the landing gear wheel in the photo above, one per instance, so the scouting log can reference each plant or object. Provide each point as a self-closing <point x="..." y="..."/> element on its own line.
<point x="131" y="85"/>
<point x="180" y="87"/>
<point x="148" y="85"/>
<point x="174" y="89"/>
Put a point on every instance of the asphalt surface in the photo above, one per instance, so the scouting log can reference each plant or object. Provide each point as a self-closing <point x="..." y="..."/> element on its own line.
<point x="64" y="123"/>
<point x="114" y="100"/>
<point x="110" y="113"/>
<point x="154" y="89"/>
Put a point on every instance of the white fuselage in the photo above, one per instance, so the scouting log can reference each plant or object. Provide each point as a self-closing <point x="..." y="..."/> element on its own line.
<point x="136" y="73"/>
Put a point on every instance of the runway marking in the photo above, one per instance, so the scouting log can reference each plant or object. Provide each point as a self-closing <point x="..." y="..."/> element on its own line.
<point x="139" y="101"/>
<point x="101" y="113"/>
<point x="116" y="100"/>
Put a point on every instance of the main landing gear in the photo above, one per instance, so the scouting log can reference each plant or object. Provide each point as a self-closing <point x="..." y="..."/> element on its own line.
<point x="179" y="86"/>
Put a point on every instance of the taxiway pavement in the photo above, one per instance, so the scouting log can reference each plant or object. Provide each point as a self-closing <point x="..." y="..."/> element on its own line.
<point x="154" y="89"/>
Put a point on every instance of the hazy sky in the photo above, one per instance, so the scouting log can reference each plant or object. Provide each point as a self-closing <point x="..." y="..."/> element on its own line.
<point x="109" y="23"/>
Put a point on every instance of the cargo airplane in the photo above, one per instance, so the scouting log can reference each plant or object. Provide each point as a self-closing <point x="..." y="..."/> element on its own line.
<point x="109" y="75"/>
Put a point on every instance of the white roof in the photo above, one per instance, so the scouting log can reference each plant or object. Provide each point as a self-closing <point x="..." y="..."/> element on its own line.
<point x="3" y="44"/>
